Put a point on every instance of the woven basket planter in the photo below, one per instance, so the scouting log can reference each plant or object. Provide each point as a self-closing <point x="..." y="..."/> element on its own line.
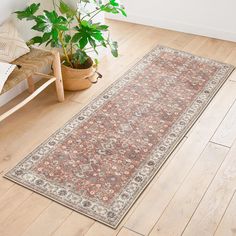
<point x="79" y="79"/>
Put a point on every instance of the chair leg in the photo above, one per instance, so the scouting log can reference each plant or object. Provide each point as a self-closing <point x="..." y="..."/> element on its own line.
<point x="31" y="87"/>
<point x="58" y="75"/>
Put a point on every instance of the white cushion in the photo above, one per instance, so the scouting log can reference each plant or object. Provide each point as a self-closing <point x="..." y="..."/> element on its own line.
<point x="12" y="46"/>
<point x="5" y="70"/>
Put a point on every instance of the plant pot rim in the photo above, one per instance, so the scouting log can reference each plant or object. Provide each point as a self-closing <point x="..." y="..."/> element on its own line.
<point x="74" y="69"/>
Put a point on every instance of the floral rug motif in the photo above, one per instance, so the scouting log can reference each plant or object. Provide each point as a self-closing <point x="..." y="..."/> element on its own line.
<point x="99" y="163"/>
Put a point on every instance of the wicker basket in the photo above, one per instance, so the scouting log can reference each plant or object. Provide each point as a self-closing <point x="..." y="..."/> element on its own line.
<point x="79" y="79"/>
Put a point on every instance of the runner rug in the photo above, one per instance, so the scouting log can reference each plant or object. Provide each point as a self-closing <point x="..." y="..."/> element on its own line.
<point x="99" y="163"/>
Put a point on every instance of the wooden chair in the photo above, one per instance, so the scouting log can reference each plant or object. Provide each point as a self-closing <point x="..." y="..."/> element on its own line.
<point x="32" y="64"/>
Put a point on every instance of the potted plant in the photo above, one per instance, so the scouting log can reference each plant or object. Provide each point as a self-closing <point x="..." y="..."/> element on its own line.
<point x="74" y="30"/>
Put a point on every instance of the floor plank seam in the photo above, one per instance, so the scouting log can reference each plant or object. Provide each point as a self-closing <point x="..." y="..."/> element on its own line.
<point x="219" y="144"/>
<point x="133" y="231"/>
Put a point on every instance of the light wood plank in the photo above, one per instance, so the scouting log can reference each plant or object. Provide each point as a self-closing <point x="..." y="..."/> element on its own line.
<point x="182" y="41"/>
<point x="24" y="215"/>
<point x="232" y="57"/>
<point x="11" y="200"/>
<point x="185" y="201"/>
<point x="225" y="134"/>
<point x="233" y="76"/>
<point x="223" y="51"/>
<point x="5" y="185"/>
<point x="171" y="179"/>
<point x="196" y="43"/>
<point x="227" y="225"/>
<point x="212" y="207"/>
<point x="209" y="48"/>
<point x="127" y="29"/>
<point x="75" y="225"/>
<point x="48" y="221"/>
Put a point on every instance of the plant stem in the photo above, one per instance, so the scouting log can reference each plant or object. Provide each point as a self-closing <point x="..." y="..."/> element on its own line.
<point x="90" y="13"/>
<point x="94" y="15"/>
<point x="71" y="49"/>
<point x="99" y="10"/>
<point x="71" y="44"/>
<point x="64" y="50"/>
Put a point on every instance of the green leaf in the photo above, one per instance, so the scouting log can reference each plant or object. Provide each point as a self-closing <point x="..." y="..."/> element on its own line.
<point x="46" y="37"/>
<point x="52" y="16"/>
<point x="83" y="42"/>
<point x="79" y="57"/>
<point x="61" y="27"/>
<point x="113" y="7"/>
<point x="96" y="61"/>
<point x="48" y="42"/>
<point x="114" y="48"/>
<point x="98" y="36"/>
<point x="67" y="10"/>
<point x="104" y="44"/>
<point x="55" y="35"/>
<point x="29" y="12"/>
<point x="114" y="3"/>
<point x="76" y="37"/>
<point x="42" y="27"/>
<point x="85" y="23"/>
<point x="67" y="38"/>
<point x="92" y="42"/>
<point x="36" y="40"/>
<point x="123" y="12"/>
<point x="54" y="44"/>
<point x="102" y="27"/>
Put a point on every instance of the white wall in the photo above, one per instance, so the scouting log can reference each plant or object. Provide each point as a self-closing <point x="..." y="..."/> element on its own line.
<point x="214" y="18"/>
<point x="9" y="6"/>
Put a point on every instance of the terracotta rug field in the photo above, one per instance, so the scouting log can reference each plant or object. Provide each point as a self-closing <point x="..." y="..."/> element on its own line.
<point x="99" y="163"/>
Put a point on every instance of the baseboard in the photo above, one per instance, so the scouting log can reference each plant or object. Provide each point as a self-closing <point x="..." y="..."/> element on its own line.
<point x="178" y="26"/>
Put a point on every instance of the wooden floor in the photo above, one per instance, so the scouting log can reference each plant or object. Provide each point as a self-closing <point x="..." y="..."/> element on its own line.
<point x="193" y="194"/>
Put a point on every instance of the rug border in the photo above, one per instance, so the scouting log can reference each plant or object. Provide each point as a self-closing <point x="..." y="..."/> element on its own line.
<point x="177" y="142"/>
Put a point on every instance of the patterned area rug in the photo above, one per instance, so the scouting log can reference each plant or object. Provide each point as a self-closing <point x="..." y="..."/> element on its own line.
<point x="99" y="163"/>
